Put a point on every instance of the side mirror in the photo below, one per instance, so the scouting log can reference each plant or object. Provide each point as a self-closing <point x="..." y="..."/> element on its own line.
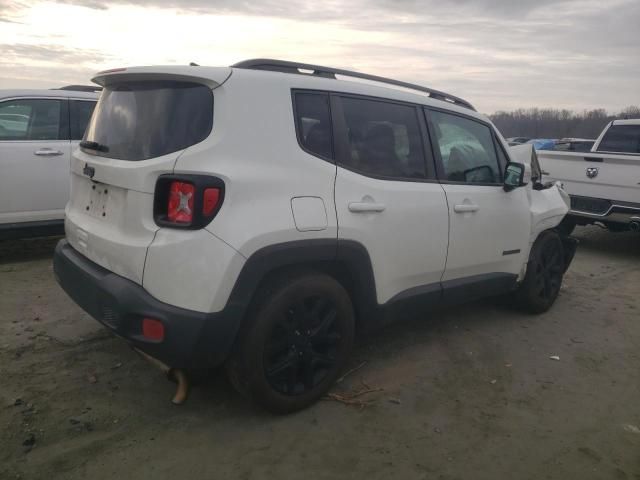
<point x="513" y="176"/>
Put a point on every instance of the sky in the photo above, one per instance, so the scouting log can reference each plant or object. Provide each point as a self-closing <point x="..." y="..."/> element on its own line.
<point x="497" y="54"/>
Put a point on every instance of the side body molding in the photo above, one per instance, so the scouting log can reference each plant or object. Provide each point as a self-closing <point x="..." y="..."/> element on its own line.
<point x="349" y="261"/>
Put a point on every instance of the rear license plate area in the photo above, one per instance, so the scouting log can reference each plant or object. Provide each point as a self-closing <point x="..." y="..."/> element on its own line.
<point x="98" y="200"/>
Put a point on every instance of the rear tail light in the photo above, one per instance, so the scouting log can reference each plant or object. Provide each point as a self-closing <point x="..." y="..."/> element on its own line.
<point x="187" y="201"/>
<point x="211" y="200"/>
<point x="180" y="204"/>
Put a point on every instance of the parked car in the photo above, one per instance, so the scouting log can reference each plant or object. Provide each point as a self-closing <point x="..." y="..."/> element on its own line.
<point x="573" y="145"/>
<point x="38" y="131"/>
<point x="604" y="184"/>
<point x="517" y="140"/>
<point x="259" y="215"/>
<point x="542" y="143"/>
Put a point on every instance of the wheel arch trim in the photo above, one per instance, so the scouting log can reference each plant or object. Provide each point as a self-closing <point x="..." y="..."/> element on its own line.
<point x="350" y="256"/>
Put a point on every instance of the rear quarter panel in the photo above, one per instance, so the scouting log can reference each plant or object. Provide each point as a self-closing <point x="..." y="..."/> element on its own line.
<point x="254" y="150"/>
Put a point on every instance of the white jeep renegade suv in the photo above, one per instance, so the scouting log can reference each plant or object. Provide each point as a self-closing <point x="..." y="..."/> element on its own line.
<point x="259" y="215"/>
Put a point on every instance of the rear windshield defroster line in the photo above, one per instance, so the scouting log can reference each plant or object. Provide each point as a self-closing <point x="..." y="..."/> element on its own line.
<point x="142" y="120"/>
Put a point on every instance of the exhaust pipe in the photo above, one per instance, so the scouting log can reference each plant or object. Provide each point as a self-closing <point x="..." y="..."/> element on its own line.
<point x="182" y="391"/>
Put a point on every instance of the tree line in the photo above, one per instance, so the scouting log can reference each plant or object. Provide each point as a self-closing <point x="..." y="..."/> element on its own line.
<point x="553" y="123"/>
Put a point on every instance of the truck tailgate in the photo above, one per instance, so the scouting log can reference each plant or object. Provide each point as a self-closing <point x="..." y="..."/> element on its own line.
<point x="606" y="176"/>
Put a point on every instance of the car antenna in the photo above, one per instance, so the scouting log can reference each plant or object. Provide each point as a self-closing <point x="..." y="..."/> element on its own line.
<point x="193" y="64"/>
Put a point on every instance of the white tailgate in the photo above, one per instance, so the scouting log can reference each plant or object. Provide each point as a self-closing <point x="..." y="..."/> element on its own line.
<point x="617" y="177"/>
<point x="109" y="218"/>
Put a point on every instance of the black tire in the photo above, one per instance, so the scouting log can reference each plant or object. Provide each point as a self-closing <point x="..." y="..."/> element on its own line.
<point x="295" y="342"/>
<point x="541" y="284"/>
<point x="566" y="226"/>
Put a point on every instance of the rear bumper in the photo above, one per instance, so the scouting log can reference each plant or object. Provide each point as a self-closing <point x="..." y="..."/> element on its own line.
<point x="192" y="339"/>
<point x="598" y="209"/>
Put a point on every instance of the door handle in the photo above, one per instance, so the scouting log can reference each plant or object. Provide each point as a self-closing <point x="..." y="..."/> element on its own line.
<point x="47" y="152"/>
<point x="465" y="207"/>
<point x="360" y="207"/>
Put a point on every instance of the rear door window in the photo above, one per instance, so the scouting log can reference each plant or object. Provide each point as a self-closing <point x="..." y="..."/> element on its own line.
<point x="34" y="119"/>
<point x="141" y="120"/>
<point x="80" y="113"/>
<point x="467" y="149"/>
<point x="383" y="139"/>
<point x="313" y="123"/>
<point x="621" y="139"/>
<point x="581" y="146"/>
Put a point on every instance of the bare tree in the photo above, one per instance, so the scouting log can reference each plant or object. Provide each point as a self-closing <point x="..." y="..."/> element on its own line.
<point x="553" y="123"/>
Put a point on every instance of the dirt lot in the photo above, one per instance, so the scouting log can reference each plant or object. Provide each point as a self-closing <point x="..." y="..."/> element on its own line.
<point x="466" y="393"/>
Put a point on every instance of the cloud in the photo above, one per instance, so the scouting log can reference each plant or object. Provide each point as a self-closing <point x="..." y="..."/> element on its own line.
<point x="47" y="65"/>
<point x="496" y="53"/>
<point x="56" y="54"/>
<point x="9" y="9"/>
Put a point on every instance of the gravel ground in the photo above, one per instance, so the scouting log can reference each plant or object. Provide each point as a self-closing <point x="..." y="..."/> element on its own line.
<point x="469" y="392"/>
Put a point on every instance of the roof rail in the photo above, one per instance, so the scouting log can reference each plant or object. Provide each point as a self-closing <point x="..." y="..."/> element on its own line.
<point x="80" y="88"/>
<point x="328" y="72"/>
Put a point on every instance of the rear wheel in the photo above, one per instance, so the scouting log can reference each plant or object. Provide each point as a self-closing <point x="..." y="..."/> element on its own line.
<point x="297" y="339"/>
<point x="541" y="284"/>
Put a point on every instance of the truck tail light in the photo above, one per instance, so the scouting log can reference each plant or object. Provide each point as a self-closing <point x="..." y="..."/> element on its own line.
<point x="187" y="201"/>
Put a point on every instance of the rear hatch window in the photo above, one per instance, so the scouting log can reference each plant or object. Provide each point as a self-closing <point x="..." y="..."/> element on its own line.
<point x="142" y="120"/>
<point x="621" y="139"/>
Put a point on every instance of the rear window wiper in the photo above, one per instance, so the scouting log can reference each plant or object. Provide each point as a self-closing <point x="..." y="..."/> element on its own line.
<point x="98" y="147"/>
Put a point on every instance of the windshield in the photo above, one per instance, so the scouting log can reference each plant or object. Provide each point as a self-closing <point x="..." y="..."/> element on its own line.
<point x="141" y="120"/>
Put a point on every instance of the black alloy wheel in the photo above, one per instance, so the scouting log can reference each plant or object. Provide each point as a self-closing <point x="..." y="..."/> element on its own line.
<point x="549" y="271"/>
<point x="295" y="342"/>
<point x="302" y="348"/>
<point x="543" y="279"/>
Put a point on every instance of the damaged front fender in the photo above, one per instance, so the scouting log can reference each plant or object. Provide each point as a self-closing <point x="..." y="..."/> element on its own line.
<point x="547" y="208"/>
<point x="548" y="203"/>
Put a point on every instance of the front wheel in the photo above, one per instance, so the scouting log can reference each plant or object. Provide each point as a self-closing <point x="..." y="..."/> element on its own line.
<point x="566" y="226"/>
<point x="546" y="267"/>
<point x="297" y="339"/>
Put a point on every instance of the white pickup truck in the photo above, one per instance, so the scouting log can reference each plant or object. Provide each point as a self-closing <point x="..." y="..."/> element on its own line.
<point x="604" y="184"/>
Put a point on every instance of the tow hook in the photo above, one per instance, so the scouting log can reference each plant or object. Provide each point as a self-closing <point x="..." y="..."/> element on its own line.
<point x="177" y="374"/>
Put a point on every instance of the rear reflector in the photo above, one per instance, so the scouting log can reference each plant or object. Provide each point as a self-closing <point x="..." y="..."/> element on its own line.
<point x="152" y="329"/>
<point x="210" y="201"/>
<point x="180" y="206"/>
